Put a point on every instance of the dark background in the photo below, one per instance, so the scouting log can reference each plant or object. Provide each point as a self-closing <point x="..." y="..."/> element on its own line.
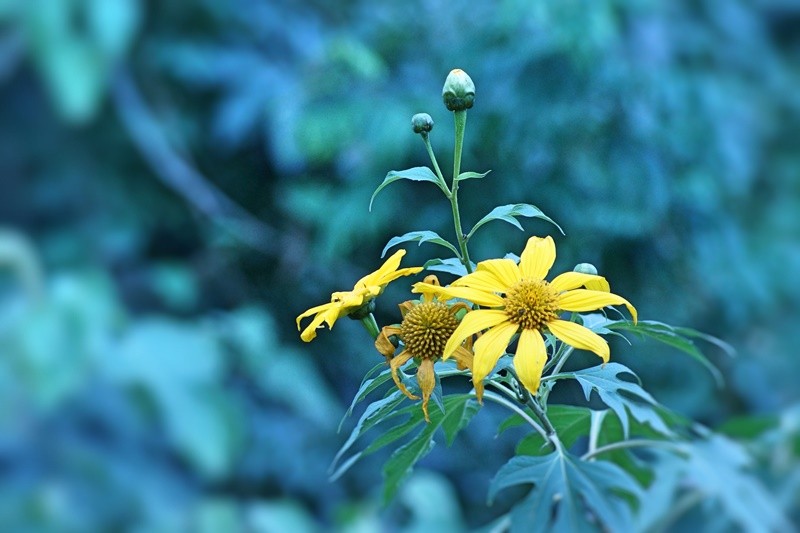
<point x="179" y="180"/>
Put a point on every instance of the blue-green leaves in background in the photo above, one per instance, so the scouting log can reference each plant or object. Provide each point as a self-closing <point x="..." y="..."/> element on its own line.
<point x="420" y="236"/>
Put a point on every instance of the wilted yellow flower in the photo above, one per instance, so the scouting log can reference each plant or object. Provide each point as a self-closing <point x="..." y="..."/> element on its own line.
<point x="365" y="289"/>
<point x="425" y="330"/>
<point x="521" y="301"/>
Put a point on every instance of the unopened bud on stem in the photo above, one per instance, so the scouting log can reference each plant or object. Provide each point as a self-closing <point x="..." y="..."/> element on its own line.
<point x="458" y="92"/>
<point x="422" y="123"/>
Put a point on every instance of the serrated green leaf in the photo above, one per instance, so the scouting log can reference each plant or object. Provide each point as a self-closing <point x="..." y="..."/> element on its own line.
<point x="459" y="409"/>
<point x="565" y="492"/>
<point x="604" y="379"/>
<point x="413" y="174"/>
<point x="452" y="265"/>
<point x="367" y="385"/>
<point x="509" y="213"/>
<point x="678" y="338"/>
<point x="419" y="236"/>
<point x="471" y="175"/>
<point x="375" y="413"/>
<point x="570" y="422"/>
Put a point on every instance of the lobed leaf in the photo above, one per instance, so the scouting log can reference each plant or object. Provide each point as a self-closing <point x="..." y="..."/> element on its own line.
<point x="570" y="422"/>
<point x="509" y="213"/>
<point x="452" y="265"/>
<point x="413" y="174"/>
<point x="420" y="236"/>
<point x="567" y="493"/>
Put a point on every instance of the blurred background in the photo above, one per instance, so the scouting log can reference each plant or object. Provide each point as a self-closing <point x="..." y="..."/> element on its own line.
<point x="179" y="180"/>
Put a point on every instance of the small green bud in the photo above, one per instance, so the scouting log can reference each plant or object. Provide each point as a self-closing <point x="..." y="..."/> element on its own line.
<point x="458" y="91"/>
<point x="422" y="123"/>
<point x="585" y="268"/>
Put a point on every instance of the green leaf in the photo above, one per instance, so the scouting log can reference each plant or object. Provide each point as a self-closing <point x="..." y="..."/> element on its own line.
<point x="679" y="338"/>
<point x="508" y="213"/>
<point x="566" y="492"/>
<point x="367" y="385"/>
<point x="421" y="236"/>
<point x="452" y="265"/>
<point x="621" y="396"/>
<point x="413" y="174"/>
<point x="471" y="175"/>
<point x="459" y="410"/>
<point x="570" y="422"/>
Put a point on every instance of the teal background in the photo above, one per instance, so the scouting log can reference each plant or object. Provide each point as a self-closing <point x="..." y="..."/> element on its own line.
<point x="179" y="180"/>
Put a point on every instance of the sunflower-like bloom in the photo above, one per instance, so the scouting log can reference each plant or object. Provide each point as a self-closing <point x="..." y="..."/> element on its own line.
<point x="426" y="328"/>
<point x="520" y="301"/>
<point x="345" y="303"/>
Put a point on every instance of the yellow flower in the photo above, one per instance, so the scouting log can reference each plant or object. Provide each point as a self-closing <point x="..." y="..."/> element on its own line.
<point x="425" y="330"/>
<point x="521" y="301"/>
<point x="365" y="289"/>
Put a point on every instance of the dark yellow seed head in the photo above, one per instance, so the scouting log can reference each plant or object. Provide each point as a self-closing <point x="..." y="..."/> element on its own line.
<point x="531" y="304"/>
<point x="426" y="329"/>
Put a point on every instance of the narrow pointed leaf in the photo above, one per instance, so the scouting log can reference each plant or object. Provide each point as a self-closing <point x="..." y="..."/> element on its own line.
<point x="419" y="236"/>
<point x="472" y="175"/>
<point x="413" y="174"/>
<point x="509" y="213"/>
<point x="452" y="265"/>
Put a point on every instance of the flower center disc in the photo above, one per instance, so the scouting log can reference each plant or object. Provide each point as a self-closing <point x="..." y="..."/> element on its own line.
<point x="426" y="329"/>
<point x="531" y="304"/>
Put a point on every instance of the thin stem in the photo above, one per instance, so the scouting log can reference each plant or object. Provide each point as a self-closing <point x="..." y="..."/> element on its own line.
<point x="595" y="424"/>
<point x="633" y="443"/>
<point x="489" y="395"/>
<point x="530" y="401"/>
<point x="461" y="122"/>
<point x="561" y="360"/>
<point x="435" y="163"/>
<point x="371" y="325"/>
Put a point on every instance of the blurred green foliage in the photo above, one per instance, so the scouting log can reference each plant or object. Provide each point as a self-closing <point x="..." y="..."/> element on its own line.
<point x="180" y="180"/>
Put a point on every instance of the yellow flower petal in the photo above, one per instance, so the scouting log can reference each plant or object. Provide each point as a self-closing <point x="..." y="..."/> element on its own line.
<point x="473" y="295"/>
<point x="482" y="280"/>
<point x="389" y="266"/>
<point x="504" y="270"/>
<point x="580" y="337"/>
<point x="489" y="347"/>
<point x="572" y="280"/>
<point x="310" y="332"/>
<point x="586" y="300"/>
<point x="537" y="258"/>
<point x="472" y="323"/>
<point x="398" y="274"/>
<point x="314" y="311"/>
<point x="530" y="359"/>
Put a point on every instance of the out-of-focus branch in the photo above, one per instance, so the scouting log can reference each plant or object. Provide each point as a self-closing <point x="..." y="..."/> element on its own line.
<point x="179" y="175"/>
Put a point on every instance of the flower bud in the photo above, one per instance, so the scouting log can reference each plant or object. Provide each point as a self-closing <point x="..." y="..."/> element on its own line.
<point x="585" y="268"/>
<point x="422" y="123"/>
<point x="458" y="91"/>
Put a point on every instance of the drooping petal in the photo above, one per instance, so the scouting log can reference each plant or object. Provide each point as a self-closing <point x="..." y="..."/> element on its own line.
<point x="572" y="280"/>
<point x="398" y="274"/>
<point x="530" y="359"/>
<point x="580" y="337"/>
<point x="473" y="295"/>
<point x="427" y="381"/>
<point x="489" y="347"/>
<point x="482" y="280"/>
<point x="472" y="323"/>
<point x="395" y="364"/>
<point x="586" y="300"/>
<point x="313" y="311"/>
<point x="310" y="332"/>
<point x="383" y="344"/>
<point x="504" y="270"/>
<point x="463" y="358"/>
<point x="537" y="258"/>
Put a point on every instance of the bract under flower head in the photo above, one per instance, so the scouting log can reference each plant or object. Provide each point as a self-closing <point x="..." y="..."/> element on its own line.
<point x="346" y="302"/>
<point x="521" y="301"/>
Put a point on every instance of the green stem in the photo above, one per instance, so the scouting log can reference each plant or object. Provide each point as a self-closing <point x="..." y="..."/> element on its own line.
<point x="537" y="409"/>
<point x="633" y="443"/>
<point x="559" y="365"/>
<point x="461" y="122"/>
<point x="435" y="163"/>
<point x="489" y="395"/>
<point x="371" y="325"/>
